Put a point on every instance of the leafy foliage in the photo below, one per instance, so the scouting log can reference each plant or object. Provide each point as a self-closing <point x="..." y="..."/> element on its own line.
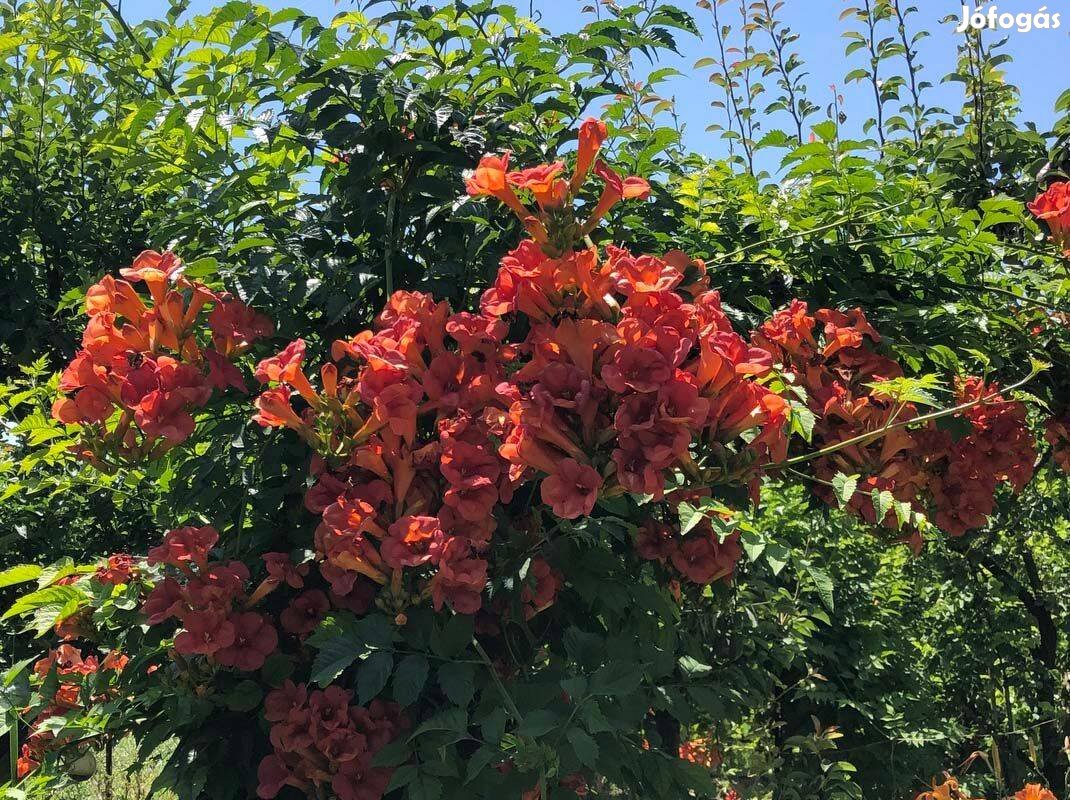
<point x="312" y="168"/>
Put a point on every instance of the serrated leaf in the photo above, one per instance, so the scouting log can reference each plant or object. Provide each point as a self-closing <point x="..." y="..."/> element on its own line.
<point x="479" y="760"/>
<point x="454" y="637"/>
<point x="409" y="678"/>
<point x="425" y="787"/>
<point x="393" y="754"/>
<point x="844" y="486"/>
<point x="457" y="681"/>
<point x="20" y="573"/>
<point x="882" y="503"/>
<point x="59" y="597"/>
<point x="538" y="723"/>
<point x="693" y="667"/>
<point x="493" y="725"/>
<point x="244" y="697"/>
<point x="824" y="586"/>
<point x="402" y="777"/>
<point x="777" y="556"/>
<point x="616" y="678"/>
<point x="339" y="643"/>
<point x="753" y="544"/>
<point x="452" y="719"/>
<point x="373" y="674"/>
<point x="583" y="745"/>
<point x="904" y="513"/>
<point x="689" y="517"/>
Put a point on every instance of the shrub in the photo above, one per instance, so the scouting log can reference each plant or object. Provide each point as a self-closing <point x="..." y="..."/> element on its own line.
<point x="486" y="486"/>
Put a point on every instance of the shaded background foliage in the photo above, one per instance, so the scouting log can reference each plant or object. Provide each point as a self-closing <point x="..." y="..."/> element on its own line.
<point x="315" y="166"/>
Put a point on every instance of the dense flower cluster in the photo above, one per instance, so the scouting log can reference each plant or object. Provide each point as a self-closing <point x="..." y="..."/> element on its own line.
<point x="963" y="475"/>
<point x="209" y="600"/>
<point x="1053" y="207"/>
<point x="76" y="676"/>
<point x="832" y="355"/>
<point x="700" y="556"/>
<point x="320" y="739"/>
<point x="144" y="359"/>
<point x="628" y="371"/>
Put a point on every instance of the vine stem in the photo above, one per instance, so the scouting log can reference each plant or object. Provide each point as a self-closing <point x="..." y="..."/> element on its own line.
<point x="865" y="438"/>
<point x="1008" y="293"/>
<point x="391" y="209"/>
<point x="507" y="698"/>
<point x="13" y="746"/>
<point x="829" y="226"/>
<point x="510" y="704"/>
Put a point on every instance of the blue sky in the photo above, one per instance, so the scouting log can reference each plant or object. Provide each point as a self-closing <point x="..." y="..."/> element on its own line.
<point x="1039" y="61"/>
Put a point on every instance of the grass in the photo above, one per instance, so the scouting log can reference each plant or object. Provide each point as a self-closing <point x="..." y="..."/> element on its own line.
<point x="129" y="778"/>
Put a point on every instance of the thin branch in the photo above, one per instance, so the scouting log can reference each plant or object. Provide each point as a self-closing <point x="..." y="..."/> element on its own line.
<point x="507" y="698"/>
<point x="865" y="438"/>
<point x="828" y="226"/>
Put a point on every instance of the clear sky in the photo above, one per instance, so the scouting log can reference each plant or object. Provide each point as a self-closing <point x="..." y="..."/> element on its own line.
<point x="1039" y="66"/>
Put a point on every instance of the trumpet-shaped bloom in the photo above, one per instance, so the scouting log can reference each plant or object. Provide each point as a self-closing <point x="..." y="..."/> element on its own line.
<point x="572" y="489"/>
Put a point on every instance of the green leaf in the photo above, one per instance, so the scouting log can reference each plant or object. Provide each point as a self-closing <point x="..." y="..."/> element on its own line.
<point x="373" y="674"/>
<point x="394" y="754"/>
<point x="616" y="678"/>
<point x="425" y="787"/>
<point x="479" y="760"/>
<point x="908" y="390"/>
<point x="63" y="568"/>
<point x="358" y="58"/>
<point x="452" y="719"/>
<point x="844" y="486"/>
<point x="575" y="687"/>
<point x="904" y="513"/>
<point x="454" y="637"/>
<point x="246" y="696"/>
<point x="53" y="598"/>
<point x="753" y="544"/>
<point x="777" y="556"/>
<point x="882" y="503"/>
<point x="693" y="777"/>
<point x="277" y="668"/>
<point x="402" y="777"/>
<point x="802" y="420"/>
<point x="19" y="574"/>
<point x="457" y="681"/>
<point x="824" y="586"/>
<point x="585" y="647"/>
<point x="538" y="723"/>
<point x="14" y="692"/>
<point x="761" y="302"/>
<point x="689" y="517"/>
<point x="339" y="642"/>
<point x="707" y="699"/>
<point x="409" y="679"/>
<point x="585" y="747"/>
<point x="493" y="725"/>
<point x="250" y="242"/>
<point x="693" y="667"/>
